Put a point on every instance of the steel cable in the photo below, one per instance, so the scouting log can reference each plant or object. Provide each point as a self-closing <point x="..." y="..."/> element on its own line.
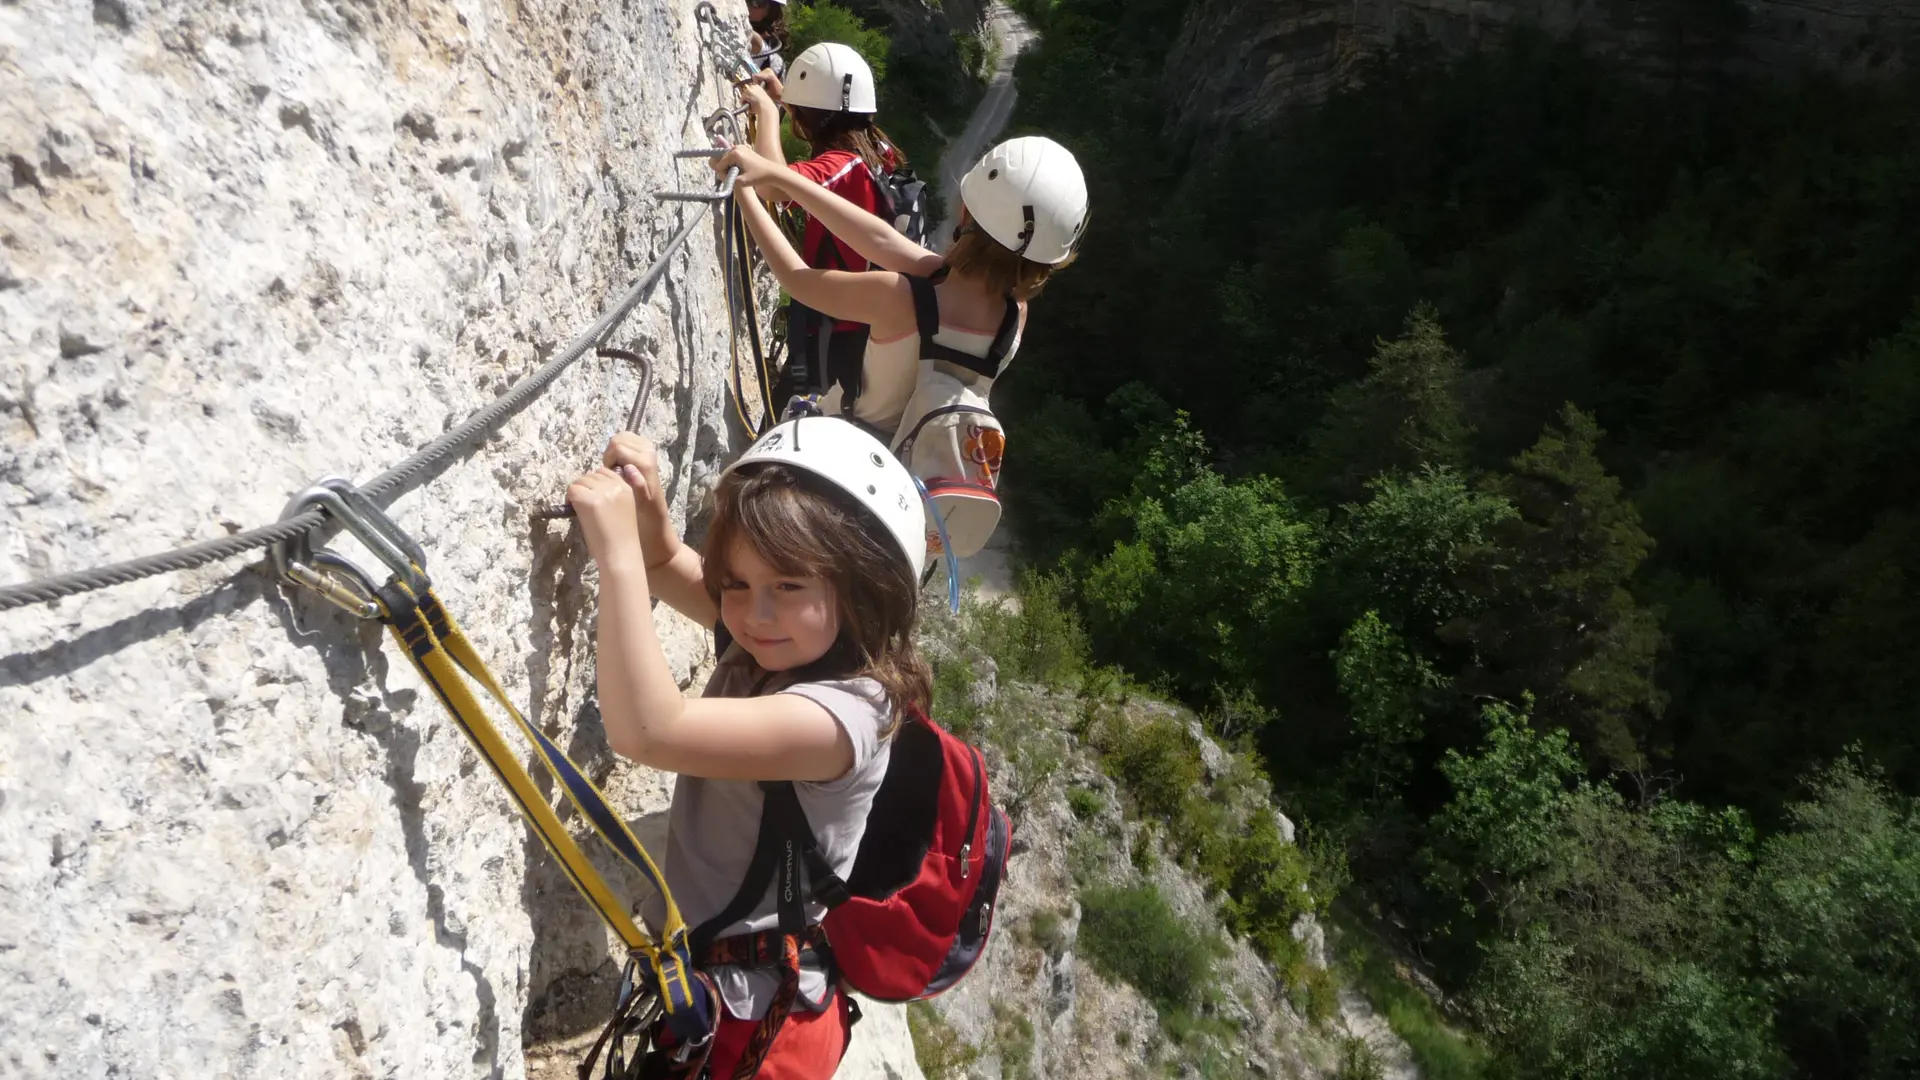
<point x="391" y="482"/>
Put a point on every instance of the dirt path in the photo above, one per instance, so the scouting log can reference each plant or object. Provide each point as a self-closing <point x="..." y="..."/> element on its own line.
<point x="990" y="116"/>
<point x="993" y="565"/>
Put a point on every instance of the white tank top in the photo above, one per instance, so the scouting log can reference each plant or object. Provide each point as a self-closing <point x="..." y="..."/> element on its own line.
<point x="892" y="369"/>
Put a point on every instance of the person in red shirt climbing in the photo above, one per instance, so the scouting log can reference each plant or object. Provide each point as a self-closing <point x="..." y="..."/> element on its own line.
<point x="829" y="94"/>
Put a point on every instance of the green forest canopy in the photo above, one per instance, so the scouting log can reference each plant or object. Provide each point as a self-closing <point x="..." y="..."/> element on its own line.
<point x="1534" y="448"/>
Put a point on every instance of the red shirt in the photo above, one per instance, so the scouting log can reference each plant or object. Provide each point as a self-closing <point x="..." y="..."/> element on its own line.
<point x="844" y="173"/>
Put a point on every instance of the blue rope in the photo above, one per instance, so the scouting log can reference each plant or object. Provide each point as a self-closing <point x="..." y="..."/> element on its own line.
<point x="946" y="547"/>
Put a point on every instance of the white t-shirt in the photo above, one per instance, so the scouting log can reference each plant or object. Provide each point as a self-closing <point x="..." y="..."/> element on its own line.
<point x="713" y="825"/>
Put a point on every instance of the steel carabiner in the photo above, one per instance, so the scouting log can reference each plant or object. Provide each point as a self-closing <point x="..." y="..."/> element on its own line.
<point x="337" y="580"/>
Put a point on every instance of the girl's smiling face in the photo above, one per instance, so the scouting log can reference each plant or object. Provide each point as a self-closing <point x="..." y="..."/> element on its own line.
<point x="783" y="621"/>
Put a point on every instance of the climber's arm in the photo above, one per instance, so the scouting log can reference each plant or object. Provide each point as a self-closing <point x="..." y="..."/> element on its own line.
<point x="766" y="129"/>
<point x="776" y="737"/>
<point x="880" y="299"/>
<point x="876" y="241"/>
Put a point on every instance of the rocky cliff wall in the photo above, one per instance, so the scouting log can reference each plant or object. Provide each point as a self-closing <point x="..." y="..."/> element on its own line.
<point x="925" y="26"/>
<point x="1240" y="62"/>
<point x="1038" y="1005"/>
<point x="243" y="245"/>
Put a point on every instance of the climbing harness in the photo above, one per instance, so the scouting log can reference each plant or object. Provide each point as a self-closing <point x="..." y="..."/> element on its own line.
<point x="659" y="973"/>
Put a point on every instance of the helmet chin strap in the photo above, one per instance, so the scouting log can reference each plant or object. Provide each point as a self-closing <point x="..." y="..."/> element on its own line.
<point x="946" y="547"/>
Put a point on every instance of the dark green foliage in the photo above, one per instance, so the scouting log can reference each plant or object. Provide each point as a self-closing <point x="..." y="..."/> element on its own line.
<point x="1422" y="550"/>
<point x="1132" y="935"/>
<point x="1155" y="762"/>
<point x="953" y="703"/>
<point x="1039" y="639"/>
<point x="1609" y="949"/>
<point x="1386" y="688"/>
<point x="1553" y="692"/>
<point x="1206" y="572"/>
<point x="1262" y="881"/>
<point x="810" y="24"/>
<point x="1086" y="803"/>
<point x="1406" y="412"/>
<point x="1836" y="904"/>
<point x="1563" y="625"/>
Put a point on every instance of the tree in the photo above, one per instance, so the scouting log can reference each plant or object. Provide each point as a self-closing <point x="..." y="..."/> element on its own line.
<point x="1836" y="908"/>
<point x="1563" y="624"/>
<point x="810" y="24"/>
<point x="1404" y="414"/>
<point x="1615" y="949"/>
<point x="1205" y="573"/>
<point x="1386" y="687"/>
<point x="1422" y="549"/>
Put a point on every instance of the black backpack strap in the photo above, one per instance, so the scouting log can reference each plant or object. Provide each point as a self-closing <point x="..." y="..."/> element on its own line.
<point x="926" y="315"/>
<point x="783" y="804"/>
<point x="785" y="843"/>
<point x="1003" y="341"/>
<point x="830" y="249"/>
<point x="825" y="362"/>
<point x="760" y="873"/>
<point x="926" y="309"/>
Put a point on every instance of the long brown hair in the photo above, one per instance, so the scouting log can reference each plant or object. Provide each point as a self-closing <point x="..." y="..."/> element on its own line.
<point x="804" y="527"/>
<point x="975" y="254"/>
<point x="857" y="132"/>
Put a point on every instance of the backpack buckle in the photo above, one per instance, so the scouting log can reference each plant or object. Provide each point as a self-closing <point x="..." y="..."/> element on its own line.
<point x="831" y="891"/>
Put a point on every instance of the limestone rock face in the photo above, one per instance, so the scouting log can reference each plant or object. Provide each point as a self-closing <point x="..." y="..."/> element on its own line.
<point x="1241" y="62"/>
<point x="243" y="245"/>
<point x="925" y="26"/>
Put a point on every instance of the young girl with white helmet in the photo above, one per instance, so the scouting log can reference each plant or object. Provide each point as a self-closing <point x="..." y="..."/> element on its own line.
<point x="828" y="92"/>
<point x="813" y="562"/>
<point x="1023" y="210"/>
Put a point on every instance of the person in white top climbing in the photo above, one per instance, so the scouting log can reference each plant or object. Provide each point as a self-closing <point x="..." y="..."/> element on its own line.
<point x="812" y="562"/>
<point x="1023" y="211"/>
<point x="829" y="94"/>
<point x="767" y="20"/>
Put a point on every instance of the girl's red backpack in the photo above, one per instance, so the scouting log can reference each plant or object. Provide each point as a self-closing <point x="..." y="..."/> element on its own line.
<point x="914" y="914"/>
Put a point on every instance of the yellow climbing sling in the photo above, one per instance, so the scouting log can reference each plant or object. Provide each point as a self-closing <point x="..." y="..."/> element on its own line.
<point x="440" y="651"/>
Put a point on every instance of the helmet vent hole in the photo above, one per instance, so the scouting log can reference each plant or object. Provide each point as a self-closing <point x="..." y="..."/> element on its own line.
<point x="992" y="174"/>
<point x="877" y="461"/>
<point x="871" y="490"/>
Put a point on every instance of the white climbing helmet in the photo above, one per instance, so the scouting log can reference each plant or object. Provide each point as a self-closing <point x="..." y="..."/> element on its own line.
<point x="829" y="76"/>
<point x="1028" y="194"/>
<point x="856" y="463"/>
